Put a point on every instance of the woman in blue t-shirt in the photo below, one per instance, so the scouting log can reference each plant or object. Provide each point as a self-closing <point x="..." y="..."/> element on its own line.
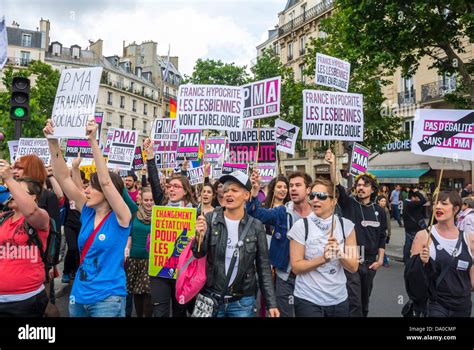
<point x="99" y="289"/>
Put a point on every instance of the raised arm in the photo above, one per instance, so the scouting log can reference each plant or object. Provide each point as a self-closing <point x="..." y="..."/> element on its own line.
<point x="76" y="171"/>
<point x="113" y="197"/>
<point x="153" y="176"/>
<point x="34" y="215"/>
<point x="61" y="171"/>
<point x="54" y="183"/>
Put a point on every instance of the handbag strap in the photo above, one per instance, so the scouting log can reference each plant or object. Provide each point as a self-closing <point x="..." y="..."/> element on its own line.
<point x="234" y="258"/>
<point x="91" y="237"/>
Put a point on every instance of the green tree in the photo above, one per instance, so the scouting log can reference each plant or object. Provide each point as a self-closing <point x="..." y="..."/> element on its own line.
<point x="44" y="81"/>
<point x="217" y="73"/>
<point x="386" y="35"/>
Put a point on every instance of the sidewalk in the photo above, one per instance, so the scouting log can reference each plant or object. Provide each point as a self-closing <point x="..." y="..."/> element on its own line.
<point x="394" y="249"/>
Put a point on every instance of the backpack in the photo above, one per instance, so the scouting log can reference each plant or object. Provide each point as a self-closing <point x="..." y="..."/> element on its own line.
<point x="191" y="276"/>
<point x="50" y="255"/>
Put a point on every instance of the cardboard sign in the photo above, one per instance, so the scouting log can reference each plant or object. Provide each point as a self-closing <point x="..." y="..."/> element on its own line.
<point x="122" y="149"/>
<point x="244" y="145"/>
<point x="228" y="168"/>
<point x="75" y="101"/>
<point x="332" y="116"/>
<point x="360" y="160"/>
<point x="267" y="171"/>
<point x="444" y="133"/>
<point x="332" y="72"/>
<point x="214" y="107"/>
<point x="13" y="149"/>
<point x="262" y="98"/>
<point x="138" y="162"/>
<point x="188" y="144"/>
<point x="37" y="147"/>
<point x="286" y="135"/>
<point x="73" y="146"/>
<point x="171" y="231"/>
<point x="196" y="175"/>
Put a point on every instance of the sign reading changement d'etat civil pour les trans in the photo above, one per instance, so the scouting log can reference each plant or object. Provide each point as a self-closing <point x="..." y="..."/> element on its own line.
<point x="444" y="133"/>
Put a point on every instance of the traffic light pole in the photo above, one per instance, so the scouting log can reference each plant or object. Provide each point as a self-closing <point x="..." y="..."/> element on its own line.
<point x="17" y="129"/>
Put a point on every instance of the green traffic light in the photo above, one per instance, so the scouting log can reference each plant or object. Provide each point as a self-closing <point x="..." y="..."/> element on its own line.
<point x="19" y="112"/>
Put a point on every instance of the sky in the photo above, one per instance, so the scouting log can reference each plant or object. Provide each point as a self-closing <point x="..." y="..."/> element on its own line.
<point x="228" y="30"/>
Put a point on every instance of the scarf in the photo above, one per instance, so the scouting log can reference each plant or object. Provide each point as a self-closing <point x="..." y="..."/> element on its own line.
<point x="143" y="215"/>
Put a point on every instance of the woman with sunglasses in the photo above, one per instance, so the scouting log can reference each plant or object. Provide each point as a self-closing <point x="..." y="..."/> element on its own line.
<point x="99" y="288"/>
<point x="179" y="196"/>
<point x="22" y="271"/>
<point x="319" y="255"/>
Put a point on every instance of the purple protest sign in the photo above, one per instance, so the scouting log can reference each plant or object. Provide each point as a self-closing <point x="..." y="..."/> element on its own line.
<point x="360" y="159"/>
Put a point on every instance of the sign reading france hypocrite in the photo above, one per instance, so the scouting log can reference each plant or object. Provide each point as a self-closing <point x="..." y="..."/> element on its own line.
<point x="214" y="107"/>
<point x="75" y="101"/>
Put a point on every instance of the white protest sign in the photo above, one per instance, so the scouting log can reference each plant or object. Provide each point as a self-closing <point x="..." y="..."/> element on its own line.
<point x="444" y="133"/>
<point x="122" y="149"/>
<point x="196" y="175"/>
<point x="37" y="147"/>
<point x="164" y="129"/>
<point x="332" y="116"/>
<point x="262" y="98"/>
<point x="13" y="148"/>
<point x="3" y="43"/>
<point x="214" y="107"/>
<point x="75" y="101"/>
<point x="286" y="135"/>
<point x="332" y="72"/>
<point x="84" y="161"/>
<point x="244" y="146"/>
<point x="267" y="171"/>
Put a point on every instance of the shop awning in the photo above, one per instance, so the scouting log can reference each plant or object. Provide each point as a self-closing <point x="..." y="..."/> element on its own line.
<point x="398" y="176"/>
<point x="406" y="159"/>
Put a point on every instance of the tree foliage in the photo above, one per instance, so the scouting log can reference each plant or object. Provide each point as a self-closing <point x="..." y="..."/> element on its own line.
<point x="214" y="72"/>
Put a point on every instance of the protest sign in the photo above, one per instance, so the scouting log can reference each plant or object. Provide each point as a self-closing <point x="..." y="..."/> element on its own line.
<point x="122" y="149"/>
<point x="13" y="149"/>
<point x="73" y="146"/>
<point x="37" y="147"/>
<point x="88" y="170"/>
<point x="164" y="129"/>
<point x="360" y="159"/>
<point x="332" y="72"/>
<point x="248" y="123"/>
<point x="108" y="142"/>
<point x="243" y="146"/>
<point x="3" y="43"/>
<point x="171" y="231"/>
<point x="138" y="162"/>
<point x="188" y="144"/>
<point x="216" y="171"/>
<point x="215" y="150"/>
<point x="214" y="107"/>
<point x="267" y="171"/>
<point x="444" y="133"/>
<point x="75" y="101"/>
<point x="196" y="175"/>
<point x="228" y="168"/>
<point x="286" y="135"/>
<point x="262" y="98"/>
<point x="332" y="116"/>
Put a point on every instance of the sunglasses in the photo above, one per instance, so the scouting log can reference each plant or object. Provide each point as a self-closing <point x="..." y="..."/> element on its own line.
<point x="322" y="196"/>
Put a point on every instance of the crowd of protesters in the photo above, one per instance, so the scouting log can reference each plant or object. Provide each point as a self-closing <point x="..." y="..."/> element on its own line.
<point x="297" y="247"/>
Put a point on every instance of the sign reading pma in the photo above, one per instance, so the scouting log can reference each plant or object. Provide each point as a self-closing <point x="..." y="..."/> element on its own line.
<point x="122" y="149"/>
<point x="262" y="98"/>
<point x="188" y="144"/>
<point x="360" y="159"/>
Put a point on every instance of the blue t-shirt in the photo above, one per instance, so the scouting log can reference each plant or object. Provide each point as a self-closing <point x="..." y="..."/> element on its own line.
<point x="102" y="272"/>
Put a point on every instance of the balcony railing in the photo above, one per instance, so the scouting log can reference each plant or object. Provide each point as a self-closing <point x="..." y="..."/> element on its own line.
<point x="167" y="95"/>
<point x="18" y="61"/>
<point x="305" y="17"/>
<point x="407" y="97"/>
<point x="437" y="90"/>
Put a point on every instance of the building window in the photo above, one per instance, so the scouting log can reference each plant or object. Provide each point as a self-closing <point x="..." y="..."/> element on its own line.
<point x="76" y="52"/>
<point x="56" y="49"/>
<point x="302" y="45"/>
<point x="145" y="109"/>
<point x="303" y="78"/>
<point x="132" y="86"/>
<point x="407" y="94"/>
<point x="25" y="58"/>
<point x="290" y="51"/>
<point x="276" y="48"/>
<point x="26" y="40"/>
<point x="109" y="119"/>
<point x="121" y="121"/>
<point x="143" y="91"/>
<point x="134" y="105"/>
<point x="133" y="123"/>
<point x="122" y="102"/>
<point x="154" y="112"/>
<point x="145" y="126"/>
<point x="109" y="98"/>
<point x="408" y="127"/>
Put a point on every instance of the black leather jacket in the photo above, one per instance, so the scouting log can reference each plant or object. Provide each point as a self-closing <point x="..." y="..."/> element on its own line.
<point x="253" y="257"/>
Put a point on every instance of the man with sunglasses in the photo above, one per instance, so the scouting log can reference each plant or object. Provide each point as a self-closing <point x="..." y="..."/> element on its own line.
<point x="281" y="219"/>
<point x="371" y="231"/>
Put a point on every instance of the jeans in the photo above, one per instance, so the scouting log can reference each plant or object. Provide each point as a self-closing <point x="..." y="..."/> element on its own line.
<point x="163" y="292"/>
<point x="113" y="306"/>
<point x="396" y="214"/>
<point x="305" y="308"/>
<point x="244" y="307"/>
<point x="435" y="309"/>
<point x="409" y="237"/>
<point x="31" y="307"/>
<point x="284" y="296"/>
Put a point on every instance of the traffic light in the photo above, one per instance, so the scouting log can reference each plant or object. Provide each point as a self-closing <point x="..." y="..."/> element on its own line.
<point x="20" y="100"/>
